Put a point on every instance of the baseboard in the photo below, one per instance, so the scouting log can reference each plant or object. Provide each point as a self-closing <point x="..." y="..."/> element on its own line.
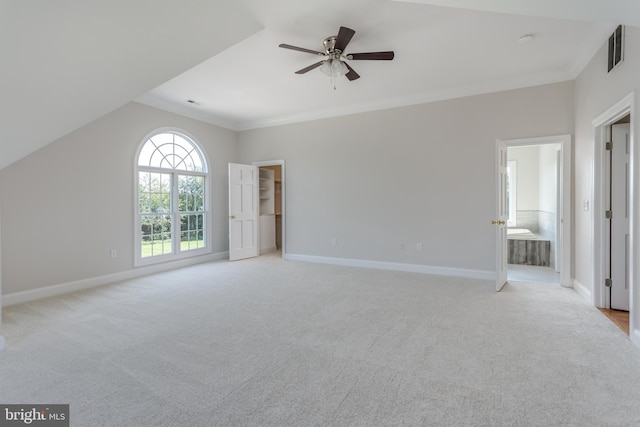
<point x="634" y="334"/>
<point x="63" y="288"/>
<point x="583" y="291"/>
<point x="396" y="266"/>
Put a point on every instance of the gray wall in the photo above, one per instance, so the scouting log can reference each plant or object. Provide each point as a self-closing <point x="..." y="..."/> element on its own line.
<point x="424" y="173"/>
<point x="67" y="205"/>
<point x="595" y="92"/>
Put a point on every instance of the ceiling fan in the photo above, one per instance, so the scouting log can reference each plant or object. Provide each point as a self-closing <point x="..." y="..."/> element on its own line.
<point x="333" y="64"/>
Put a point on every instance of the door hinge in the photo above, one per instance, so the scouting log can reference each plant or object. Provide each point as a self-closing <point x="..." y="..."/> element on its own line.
<point x="608" y="146"/>
<point x="608" y="214"/>
<point x="608" y="283"/>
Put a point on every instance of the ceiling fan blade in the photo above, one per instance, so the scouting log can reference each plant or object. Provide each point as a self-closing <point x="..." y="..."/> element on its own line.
<point x="351" y="75"/>
<point x="301" y="49"/>
<point x="310" y="67"/>
<point x="344" y="37"/>
<point x="384" y="56"/>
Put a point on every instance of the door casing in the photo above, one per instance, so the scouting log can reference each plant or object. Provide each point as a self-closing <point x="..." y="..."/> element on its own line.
<point x="600" y="294"/>
<point x="283" y="192"/>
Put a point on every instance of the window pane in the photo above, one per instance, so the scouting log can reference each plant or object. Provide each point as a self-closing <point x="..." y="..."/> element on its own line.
<point x="171" y="151"/>
<point x="155" y="235"/>
<point x="191" y="193"/>
<point x="144" y="159"/>
<point x="154" y="192"/>
<point x="192" y="232"/>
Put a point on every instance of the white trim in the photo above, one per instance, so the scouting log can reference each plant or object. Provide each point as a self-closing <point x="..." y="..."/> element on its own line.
<point x="138" y="261"/>
<point x="63" y="288"/>
<point x="437" y="95"/>
<point x="283" y="197"/>
<point x="634" y="335"/>
<point x="611" y="115"/>
<point x="396" y="266"/>
<point x="583" y="291"/>
<point x="600" y="295"/>
<point x="151" y="100"/>
<point x="564" y="210"/>
<point x="441" y="94"/>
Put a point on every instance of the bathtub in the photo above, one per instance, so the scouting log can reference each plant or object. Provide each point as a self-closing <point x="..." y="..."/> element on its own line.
<point x="521" y="233"/>
<point x="527" y="248"/>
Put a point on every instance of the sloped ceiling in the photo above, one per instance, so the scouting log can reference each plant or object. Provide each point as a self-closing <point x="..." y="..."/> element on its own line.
<point x="66" y="63"/>
<point x="443" y="49"/>
<point x="621" y="12"/>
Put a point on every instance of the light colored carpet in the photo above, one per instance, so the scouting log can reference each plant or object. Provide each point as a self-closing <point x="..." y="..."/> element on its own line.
<point x="532" y="274"/>
<point x="266" y="342"/>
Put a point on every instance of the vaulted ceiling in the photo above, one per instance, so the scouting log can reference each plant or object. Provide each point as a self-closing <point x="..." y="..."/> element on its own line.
<point x="68" y="62"/>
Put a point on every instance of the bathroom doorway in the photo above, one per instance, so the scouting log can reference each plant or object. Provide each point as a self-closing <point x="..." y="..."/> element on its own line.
<point x="538" y="195"/>
<point x="532" y="198"/>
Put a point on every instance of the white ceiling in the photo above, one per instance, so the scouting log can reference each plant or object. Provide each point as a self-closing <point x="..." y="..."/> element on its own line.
<point x="68" y="62"/>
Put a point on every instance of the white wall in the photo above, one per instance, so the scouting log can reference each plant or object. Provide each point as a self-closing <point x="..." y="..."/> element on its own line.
<point x="536" y="181"/>
<point x="595" y="92"/>
<point x="548" y="169"/>
<point x="67" y="205"/>
<point x="424" y="173"/>
<point x="528" y="180"/>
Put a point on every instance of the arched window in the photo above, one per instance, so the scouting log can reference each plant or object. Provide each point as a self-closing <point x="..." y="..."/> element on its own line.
<point x="171" y="220"/>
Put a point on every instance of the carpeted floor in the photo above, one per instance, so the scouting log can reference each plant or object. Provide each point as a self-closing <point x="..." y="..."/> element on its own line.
<point x="267" y="342"/>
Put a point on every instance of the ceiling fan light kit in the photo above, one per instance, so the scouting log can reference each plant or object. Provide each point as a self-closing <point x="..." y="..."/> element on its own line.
<point x="333" y="64"/>
<point x="333" y="68"/>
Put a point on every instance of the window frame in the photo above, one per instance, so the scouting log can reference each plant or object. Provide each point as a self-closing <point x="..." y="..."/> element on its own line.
<point x="176" y="253"/>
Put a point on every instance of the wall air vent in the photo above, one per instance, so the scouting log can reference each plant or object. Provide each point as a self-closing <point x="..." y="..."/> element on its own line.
<point x="616" y="47"/>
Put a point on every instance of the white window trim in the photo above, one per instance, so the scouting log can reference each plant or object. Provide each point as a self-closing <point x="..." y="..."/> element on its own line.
<point x="138" y="260"/>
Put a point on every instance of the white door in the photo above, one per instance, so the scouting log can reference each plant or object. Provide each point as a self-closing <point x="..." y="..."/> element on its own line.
<point x="243" y="211"/>
<point x="500" y="222"/>
<point x="619" y="260"/>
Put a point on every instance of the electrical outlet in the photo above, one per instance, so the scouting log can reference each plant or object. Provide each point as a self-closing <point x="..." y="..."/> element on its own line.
<point x="334" y="241"/>
<point x="114" y="253"/>
<point x="402" y="245"/>
<point x="419" y="247"/>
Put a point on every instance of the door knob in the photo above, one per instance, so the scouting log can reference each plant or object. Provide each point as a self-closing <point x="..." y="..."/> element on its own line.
<point x="498" y="222"/>
<point x="232" y="217"/>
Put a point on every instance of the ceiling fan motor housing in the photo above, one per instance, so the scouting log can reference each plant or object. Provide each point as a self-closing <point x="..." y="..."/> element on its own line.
<point x="330" y="47"/>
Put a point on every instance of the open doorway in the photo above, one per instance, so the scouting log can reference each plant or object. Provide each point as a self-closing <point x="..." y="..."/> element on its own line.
<point x="533" y="191"/>
<point x="272" y="219"/>
<point x="545" y="205"/>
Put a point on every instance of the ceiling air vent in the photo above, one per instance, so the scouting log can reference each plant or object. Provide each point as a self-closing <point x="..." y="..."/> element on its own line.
<point x="616" y="47"/>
